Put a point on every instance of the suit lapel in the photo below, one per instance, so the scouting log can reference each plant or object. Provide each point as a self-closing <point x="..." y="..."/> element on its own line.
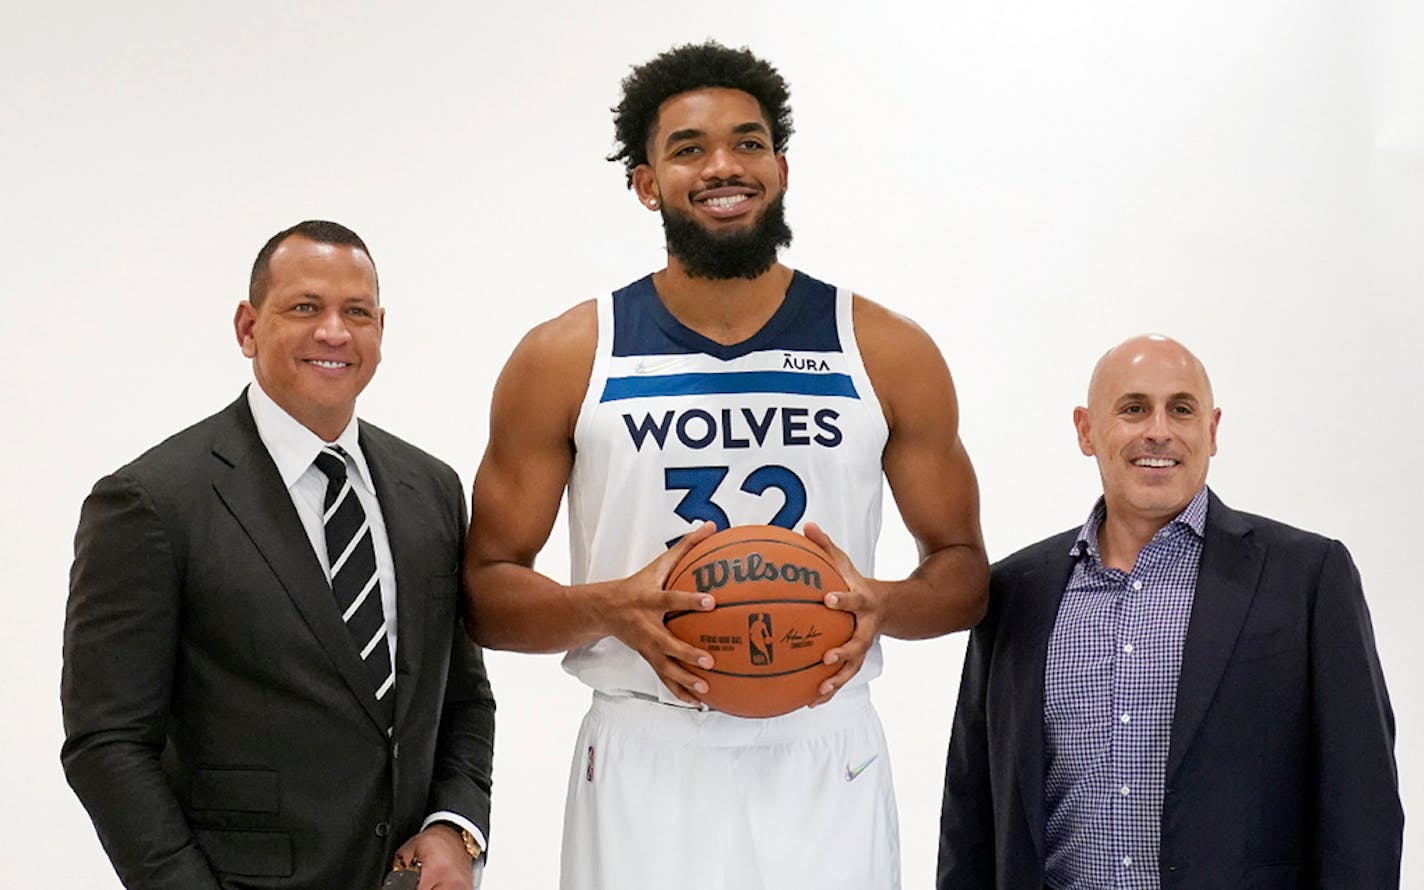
<point x="408" y="533"/>
<point x="252" y="490"/>
<point x="1226" y="583"/>
<point x="1039" y="612"/>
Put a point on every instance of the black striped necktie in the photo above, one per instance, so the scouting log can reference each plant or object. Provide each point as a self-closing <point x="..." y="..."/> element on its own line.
<point x="354" y="580"/>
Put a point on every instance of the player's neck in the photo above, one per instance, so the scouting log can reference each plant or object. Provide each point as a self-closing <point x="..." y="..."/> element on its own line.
<point x="725" y="310"/>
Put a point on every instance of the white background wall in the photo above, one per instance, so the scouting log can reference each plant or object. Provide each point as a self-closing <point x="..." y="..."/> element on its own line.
<point x="1032" y="182"/>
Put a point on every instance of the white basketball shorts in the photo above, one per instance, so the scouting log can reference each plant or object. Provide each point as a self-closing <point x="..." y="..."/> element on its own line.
<point x="663" y="797"/>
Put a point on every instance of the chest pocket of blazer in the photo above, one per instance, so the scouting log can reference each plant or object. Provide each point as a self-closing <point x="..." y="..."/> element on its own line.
<point x="1257" y="645"/>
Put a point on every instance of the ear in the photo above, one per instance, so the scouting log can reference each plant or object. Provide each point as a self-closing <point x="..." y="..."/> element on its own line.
<point x="1082" y="423"/>
<point x="781" y="164"/>
<point x="645" y="184"/>
<point x="1215" y="419"/>
<point x="243" y="323"/>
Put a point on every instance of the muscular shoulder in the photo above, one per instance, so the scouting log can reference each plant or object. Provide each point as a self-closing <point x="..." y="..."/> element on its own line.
<point x="905" y="366"/>
<point x="565" y="341"/>
<point x="549" y="370"/>
<point x="888" y="338"/>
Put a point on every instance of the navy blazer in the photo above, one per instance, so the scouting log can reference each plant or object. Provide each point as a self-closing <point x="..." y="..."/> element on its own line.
<point x="1280" y="771"/>
<point x="221" y="730"/>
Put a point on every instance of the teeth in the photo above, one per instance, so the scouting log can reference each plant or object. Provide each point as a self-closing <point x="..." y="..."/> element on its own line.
<point x="727" y="201"/>
<point x="1154" y="462"/>
<point x="324" y="364"/>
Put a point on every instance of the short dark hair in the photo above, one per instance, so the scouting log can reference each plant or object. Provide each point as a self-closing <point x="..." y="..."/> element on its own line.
<point x="319" y="230"/>
<point x="694" y="66"/>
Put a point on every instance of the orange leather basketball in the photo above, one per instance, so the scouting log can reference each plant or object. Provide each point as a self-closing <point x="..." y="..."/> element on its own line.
<point x="769" y="629"/>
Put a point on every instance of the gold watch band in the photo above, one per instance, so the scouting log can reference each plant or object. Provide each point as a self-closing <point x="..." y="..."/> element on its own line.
<point x="470" y="846"/>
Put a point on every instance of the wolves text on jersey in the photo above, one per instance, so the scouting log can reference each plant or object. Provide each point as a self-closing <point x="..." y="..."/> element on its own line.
<point x="737" y="428"/>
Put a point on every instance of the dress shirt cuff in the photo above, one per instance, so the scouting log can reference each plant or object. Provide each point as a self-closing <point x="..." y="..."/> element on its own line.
<point x="457" y="819"/>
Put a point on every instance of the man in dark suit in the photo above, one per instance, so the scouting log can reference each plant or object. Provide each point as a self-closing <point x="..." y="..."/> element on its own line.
<point x="266" y="682"/>
<point x="1176" y="695"/>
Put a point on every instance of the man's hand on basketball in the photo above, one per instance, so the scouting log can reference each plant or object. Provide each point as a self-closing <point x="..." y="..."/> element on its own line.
<point x="632" y="610"/>
<point x="863" y="600"/>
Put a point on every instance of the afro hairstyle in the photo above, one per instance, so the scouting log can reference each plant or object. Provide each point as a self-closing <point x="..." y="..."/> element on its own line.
<point x="694" y="66"/>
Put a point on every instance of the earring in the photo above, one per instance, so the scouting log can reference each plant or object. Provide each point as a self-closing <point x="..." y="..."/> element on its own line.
<point x="652" y="203"/>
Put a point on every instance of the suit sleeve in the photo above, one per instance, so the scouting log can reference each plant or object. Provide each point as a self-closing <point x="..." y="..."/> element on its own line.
<point x="464" y="754"/>
<point x="966" y="827"/>
<point x="1360" y="821"/>
<point x="120" y="646"/>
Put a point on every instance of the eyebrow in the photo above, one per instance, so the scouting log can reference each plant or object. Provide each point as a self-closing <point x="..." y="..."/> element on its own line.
<point x="691" y="133"/>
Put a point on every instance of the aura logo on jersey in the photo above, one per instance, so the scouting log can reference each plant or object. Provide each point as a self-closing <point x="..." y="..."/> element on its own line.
<point x="697" y="428"/>
<point x="804" y="363"/>
<point x="754" y="567"/>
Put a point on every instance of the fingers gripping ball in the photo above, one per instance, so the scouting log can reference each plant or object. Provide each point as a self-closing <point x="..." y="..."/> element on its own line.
<point x="770" y="628"/>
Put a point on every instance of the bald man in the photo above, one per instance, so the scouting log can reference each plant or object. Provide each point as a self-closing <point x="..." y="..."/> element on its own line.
<point x="1174" y="695"/>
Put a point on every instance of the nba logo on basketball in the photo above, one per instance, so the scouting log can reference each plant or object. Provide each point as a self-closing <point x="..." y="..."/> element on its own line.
<point x="759" y="637"/>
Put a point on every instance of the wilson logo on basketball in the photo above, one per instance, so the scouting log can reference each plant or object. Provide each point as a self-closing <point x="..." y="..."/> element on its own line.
<point x="722" y="572"/>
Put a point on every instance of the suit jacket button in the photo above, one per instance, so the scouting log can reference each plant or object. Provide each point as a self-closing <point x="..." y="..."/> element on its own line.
<point x="383" y="829"/>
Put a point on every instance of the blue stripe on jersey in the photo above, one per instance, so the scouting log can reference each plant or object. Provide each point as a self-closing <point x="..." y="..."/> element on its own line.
<point x="617" y="388"/>
<point x="804" y="322"/>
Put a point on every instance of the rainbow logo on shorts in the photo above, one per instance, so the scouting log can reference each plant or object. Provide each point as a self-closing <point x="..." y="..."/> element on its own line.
<point x="853" y="772"/>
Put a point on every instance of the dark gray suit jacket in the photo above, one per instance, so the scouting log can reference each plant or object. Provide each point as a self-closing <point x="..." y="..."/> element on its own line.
<point x="219" y="727"/>
<point x="1280" y="772"/>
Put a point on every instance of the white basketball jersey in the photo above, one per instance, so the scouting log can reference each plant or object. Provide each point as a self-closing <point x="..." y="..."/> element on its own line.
<point x="675" y="429"/>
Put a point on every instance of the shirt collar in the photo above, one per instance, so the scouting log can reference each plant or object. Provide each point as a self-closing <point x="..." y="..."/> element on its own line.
<point x="294" y="447"/>
<point x="1193" y="516"/>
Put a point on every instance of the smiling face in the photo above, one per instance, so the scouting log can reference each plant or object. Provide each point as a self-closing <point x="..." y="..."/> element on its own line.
<point x="1151" y="424"/>
<point x="315" y="338"/>
<point x="711" y="163"/>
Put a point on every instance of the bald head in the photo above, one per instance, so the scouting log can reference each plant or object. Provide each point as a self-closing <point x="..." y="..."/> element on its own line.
<point x="1139" y="352"/>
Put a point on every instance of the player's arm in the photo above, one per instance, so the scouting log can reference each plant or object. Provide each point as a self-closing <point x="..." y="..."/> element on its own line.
<point x="121" y="635"/>
<point x="935" y="490"/>
<point x="517" y="490"/>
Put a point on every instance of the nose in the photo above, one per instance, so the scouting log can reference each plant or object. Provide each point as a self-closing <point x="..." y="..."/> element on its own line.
<point x="722" y="163"/>
<point x="332" y="329"/>
<point x="1157" y="428"/>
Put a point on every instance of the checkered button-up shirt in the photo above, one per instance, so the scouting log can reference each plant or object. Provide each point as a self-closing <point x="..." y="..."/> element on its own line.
<point x="1110" y="690"/>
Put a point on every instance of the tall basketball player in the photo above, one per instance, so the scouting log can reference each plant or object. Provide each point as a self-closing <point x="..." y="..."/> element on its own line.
<point x="725" y="389"/>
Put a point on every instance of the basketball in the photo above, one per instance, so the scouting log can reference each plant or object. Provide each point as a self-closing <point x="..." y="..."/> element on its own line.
<point x="769" y="629"/>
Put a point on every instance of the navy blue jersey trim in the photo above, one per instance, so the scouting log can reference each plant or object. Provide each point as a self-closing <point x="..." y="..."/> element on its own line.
<point x="805" y="321"/>
<point x="618" y="388"/>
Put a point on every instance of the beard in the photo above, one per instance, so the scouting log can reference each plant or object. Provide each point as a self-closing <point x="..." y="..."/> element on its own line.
<point x="744" y="254"/>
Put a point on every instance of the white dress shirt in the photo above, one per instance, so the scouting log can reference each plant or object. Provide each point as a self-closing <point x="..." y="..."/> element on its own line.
<point x="294" y="449"/>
